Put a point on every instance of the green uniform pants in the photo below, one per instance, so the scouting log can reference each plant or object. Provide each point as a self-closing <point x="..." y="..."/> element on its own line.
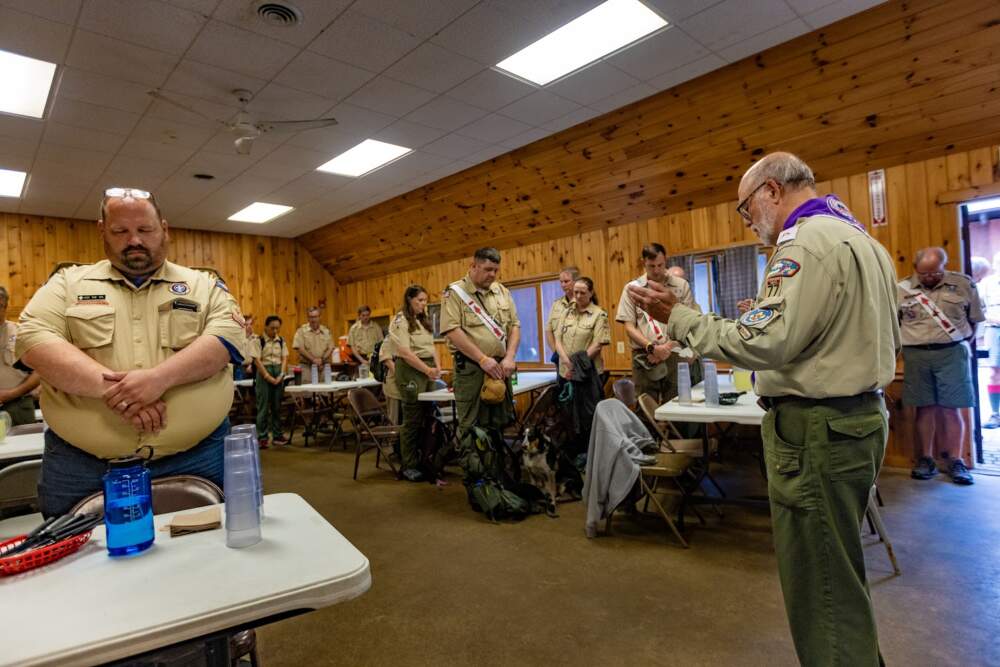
<point x="661" y="381"/>
<point x="469" y="409"/>
<point x="822" y="457"/>
<point x="410" y="383"/>
<point x="269" y="403"/>
<point x="21" y="410"/>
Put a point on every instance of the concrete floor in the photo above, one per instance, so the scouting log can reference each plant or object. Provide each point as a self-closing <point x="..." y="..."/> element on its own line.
<point x="450" y="588"/>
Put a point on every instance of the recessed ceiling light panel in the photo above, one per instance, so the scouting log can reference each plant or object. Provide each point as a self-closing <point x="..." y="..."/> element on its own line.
<point x="366" y="157"/>
<point x="260" y="212"/>
<point x="11" y="182"/>
<point x="24" y="84"/>
<point x="603" y="30"/>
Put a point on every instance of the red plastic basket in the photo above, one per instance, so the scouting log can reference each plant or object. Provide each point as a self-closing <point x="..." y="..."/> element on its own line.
<point x="29" y="560"/>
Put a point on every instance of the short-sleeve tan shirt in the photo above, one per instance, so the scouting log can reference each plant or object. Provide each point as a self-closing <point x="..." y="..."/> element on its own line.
<point x="125" y="327"/>
<point x="270" y="351"/>
<point x="362" y="338"/>
<point x="495" y="300"/>
<point x="627" y="312"/>
<point x="558" y="309"/>
<point x="581" y="329"/>
<point x="956" y="296"/>
<point x="10" y="377"/>
<point x="420" y="342"/>
<point x="316" y="343"/>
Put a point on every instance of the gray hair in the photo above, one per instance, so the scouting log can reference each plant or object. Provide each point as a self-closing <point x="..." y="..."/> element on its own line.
<point x="980" y="267"/>
<point x="923" y="252"/>
<point x="487" y="255"/>
<point x="4" y="295"/>
<point x="784" y="168"/>
<point x="573" y="272"/>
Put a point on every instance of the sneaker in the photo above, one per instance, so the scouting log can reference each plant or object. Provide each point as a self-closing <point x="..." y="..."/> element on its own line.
<point x="925" y="468"/>
<point x="281" y="440"/>
<point x="994" y="421"/>
<point x="413" y="475"/>
<point x="960" y="474"/>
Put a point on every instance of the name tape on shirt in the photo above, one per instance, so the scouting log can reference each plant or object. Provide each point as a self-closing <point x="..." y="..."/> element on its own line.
<point x="783" y="268"/>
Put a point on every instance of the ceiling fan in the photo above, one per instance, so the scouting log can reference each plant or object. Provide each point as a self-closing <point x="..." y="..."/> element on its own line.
<point x="244" y="127"/>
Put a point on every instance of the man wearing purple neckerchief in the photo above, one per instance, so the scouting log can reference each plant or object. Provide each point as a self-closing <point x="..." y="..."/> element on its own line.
<point x="822" y="337"/>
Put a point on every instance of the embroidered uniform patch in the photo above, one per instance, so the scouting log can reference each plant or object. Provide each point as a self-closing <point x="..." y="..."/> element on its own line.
<point x="744" y="333"/>
<point x="783" y="268"/>
<point x="180" y="288"/>
<point x="757" y="317"/>
<point x="773" y="286"/>
<point x="221" y="285"/>
<point x="91" y="297"/>
<point x="839" y="207"/>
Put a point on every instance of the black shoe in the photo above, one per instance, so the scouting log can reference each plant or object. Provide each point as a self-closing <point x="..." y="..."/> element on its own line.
<point x="994" y="421"/>
<point x="413" y="475"/>
<point x="960" y="474"/>
<point x="925" y="468"/>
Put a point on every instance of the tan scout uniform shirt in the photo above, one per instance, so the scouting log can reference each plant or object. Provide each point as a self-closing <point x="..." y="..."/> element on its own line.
<point x="420" y="342"/>
<point x="362" y="338"/>
<point x="824" y="324"/>
<point x="124" y="327"/>
<point x="272" y="352"/>
<point x="315" y="343"/>
<point x="10" y="377"/>
<point x="956" y="296"/>
<point x="556" y="312"/>
<point x="627" y="312"/>
<point x="497" y="302"/>
<point x="387" y="352"/>
<point x="580" y="330"/>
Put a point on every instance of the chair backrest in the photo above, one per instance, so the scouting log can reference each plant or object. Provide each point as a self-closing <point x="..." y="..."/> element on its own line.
<point x="648" y="405"/>
<point x="540" y="406"/>
<point x="170" y="494"/>
<point x="22" y="429"/>
<point x="365" y="404"/>
<point x="19" y="484"/>
<point x="624" y="391"/>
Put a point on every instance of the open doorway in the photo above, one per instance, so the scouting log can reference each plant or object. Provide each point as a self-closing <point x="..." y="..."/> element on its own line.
<point x="981" y="235"/>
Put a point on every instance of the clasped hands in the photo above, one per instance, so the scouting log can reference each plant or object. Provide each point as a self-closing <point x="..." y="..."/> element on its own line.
<point x="498" y="370"/>
<point x="136" y="397"/>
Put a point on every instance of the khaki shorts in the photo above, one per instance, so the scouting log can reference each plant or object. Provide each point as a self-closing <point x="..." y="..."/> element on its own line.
<point x="937" y="377"/>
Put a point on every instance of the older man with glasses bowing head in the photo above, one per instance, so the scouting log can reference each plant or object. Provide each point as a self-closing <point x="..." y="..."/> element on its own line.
<point x="133" y="352"/>
<point x="823" y="337"/>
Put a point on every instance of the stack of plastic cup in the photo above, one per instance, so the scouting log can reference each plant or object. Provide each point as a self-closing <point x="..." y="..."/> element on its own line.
<point x="242" y="504"/>
<point x="327" y="374"/>
<point x="683" y="383"/>
<point x="252" y="430"/>
<point x="314" y="374"/>
<point x="711" y="383"/>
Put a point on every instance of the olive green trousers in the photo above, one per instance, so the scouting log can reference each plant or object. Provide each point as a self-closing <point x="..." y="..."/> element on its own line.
<point x="411" y="383"/>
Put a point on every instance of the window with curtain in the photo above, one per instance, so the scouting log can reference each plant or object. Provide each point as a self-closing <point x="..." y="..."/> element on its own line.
<point x="533" y="301"/>
<point x="703" y="283"/>
<point x="762" y="257"/>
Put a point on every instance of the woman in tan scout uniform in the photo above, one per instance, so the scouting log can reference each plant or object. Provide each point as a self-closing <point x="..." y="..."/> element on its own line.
<point x="567" y="278"/>
<point x="584" y="328"/>
<point x="417" y="367"/>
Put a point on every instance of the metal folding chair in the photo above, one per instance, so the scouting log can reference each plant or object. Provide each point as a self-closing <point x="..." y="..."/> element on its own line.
<point x="373" y="423"/>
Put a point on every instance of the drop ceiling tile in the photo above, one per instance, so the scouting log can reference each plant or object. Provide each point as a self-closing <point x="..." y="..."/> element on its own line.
<point x="308" y="187"/>
<point x="364" y="42"/>
<point x="494" y="128"/>
<point x="446" y="114"/>
<point x="170" y="132"/>
<point x="422" y="19"/>
<point x="81" y="137"/>
<point x="203" y="7"/>
<point x="593" y="83"/>
<point x="17" y="153"/>
<point x="329" y="78"/>
<point x="55" y="209"/>
<point x="63" y="11"/>
<point x="224" y="166"/>
<point x="49" y="174"/>
<point x="165" y="151"/>
<point x="455" y="146"/>
<point x="532" y="135"/>
<point x="279" y="173"/>
<point x="232" y="48"/>
<point x="316" y="15"/>
<point x="391" y="97"/>
<point x="803" y="7"/>
<point x="624" y="98"/>
<point x="21" y="128"/>
<point x="354" y="126"/>
<point x="295" y="156"/>
<point x="277" y="102"/>
<point x="37" y="191"/>
<point x="90" y="162"/>
<point x="223" y="142"/>
<point x="733" y="21"/>
<point x="151" y="24"/>
<point x="104" y="55"/>
<point x="205" y="114"/>
<point x="34" y="37"/>
<point x="487" y="153"/>
<point x="765" y="40"/>
<point x="139" y="171"/>
<point x="180" y="192"/>
<point x="687" y="72"/>
<point x="211" y="83"/>
<point x="491" y="90"/>
<point x="329" y="140"/>
<point x="434" y="68"/>
<point x="581" y="115"/>
<point x="84" y="86"/>
<point x="676" y="10"/>
<point x="660" y="53"/>
<point x="411" y="135"/>
<point x="539" y="107"/>
<point x="838" y="10"/>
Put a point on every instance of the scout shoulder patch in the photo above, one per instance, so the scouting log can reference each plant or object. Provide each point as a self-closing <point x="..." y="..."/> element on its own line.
<point x="221" y="285"/>
<point x="744" y="333"/>
<point x="773" y="286"/>
<point x="783" y="268"/>
<point x="180" y="288"/>
<point x="758" y="317"/>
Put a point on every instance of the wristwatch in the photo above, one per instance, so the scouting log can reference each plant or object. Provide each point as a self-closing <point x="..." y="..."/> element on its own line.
<point x="650" y="347"/>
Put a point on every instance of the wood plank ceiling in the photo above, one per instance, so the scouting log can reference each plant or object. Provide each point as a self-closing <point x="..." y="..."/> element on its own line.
<point x="905" y="81"/>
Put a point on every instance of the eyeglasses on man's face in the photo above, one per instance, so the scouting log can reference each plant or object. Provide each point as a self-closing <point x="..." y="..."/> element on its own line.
<point x="744" y="206"/>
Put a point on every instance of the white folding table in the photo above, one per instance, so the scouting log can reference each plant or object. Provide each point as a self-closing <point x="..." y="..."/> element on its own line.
<point x="89" y="608"/>
<point x="526" y="381"/>
<point x="300" y="392"/>
<point x="18" y="447"/>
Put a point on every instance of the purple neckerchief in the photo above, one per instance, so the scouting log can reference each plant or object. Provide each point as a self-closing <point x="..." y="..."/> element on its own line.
<point x="829" y="205"/>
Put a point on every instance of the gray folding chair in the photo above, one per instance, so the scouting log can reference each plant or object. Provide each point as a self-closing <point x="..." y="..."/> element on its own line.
<point x="19" y="486"/>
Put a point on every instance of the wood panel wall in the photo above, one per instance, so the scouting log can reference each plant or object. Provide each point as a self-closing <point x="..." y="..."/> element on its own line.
<point x="267" y="275"/>
<point x="904" y="82"/>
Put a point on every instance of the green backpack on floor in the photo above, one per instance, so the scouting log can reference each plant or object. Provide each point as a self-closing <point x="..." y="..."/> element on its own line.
<point x="484" y="467"/>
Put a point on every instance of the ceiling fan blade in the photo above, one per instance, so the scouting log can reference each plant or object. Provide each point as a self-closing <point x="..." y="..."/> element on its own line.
<point x="294" y="125"/>
<point x="160" y="97"/>
<point x="243" y="145"/>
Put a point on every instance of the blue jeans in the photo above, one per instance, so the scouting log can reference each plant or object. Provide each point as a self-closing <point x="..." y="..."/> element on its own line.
<point x="69" y="474"/>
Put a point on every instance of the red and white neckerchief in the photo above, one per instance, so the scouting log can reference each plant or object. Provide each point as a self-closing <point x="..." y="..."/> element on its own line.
<point x="940" y="318"/>
<point x="654" y="326"/>
<point x="480" y="312"/>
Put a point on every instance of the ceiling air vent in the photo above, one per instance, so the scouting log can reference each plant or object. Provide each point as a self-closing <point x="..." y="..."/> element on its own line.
<point x="279" y="14"/>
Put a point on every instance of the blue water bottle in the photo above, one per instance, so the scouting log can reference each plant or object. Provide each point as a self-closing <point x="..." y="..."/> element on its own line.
<point x="128" y="506"/>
